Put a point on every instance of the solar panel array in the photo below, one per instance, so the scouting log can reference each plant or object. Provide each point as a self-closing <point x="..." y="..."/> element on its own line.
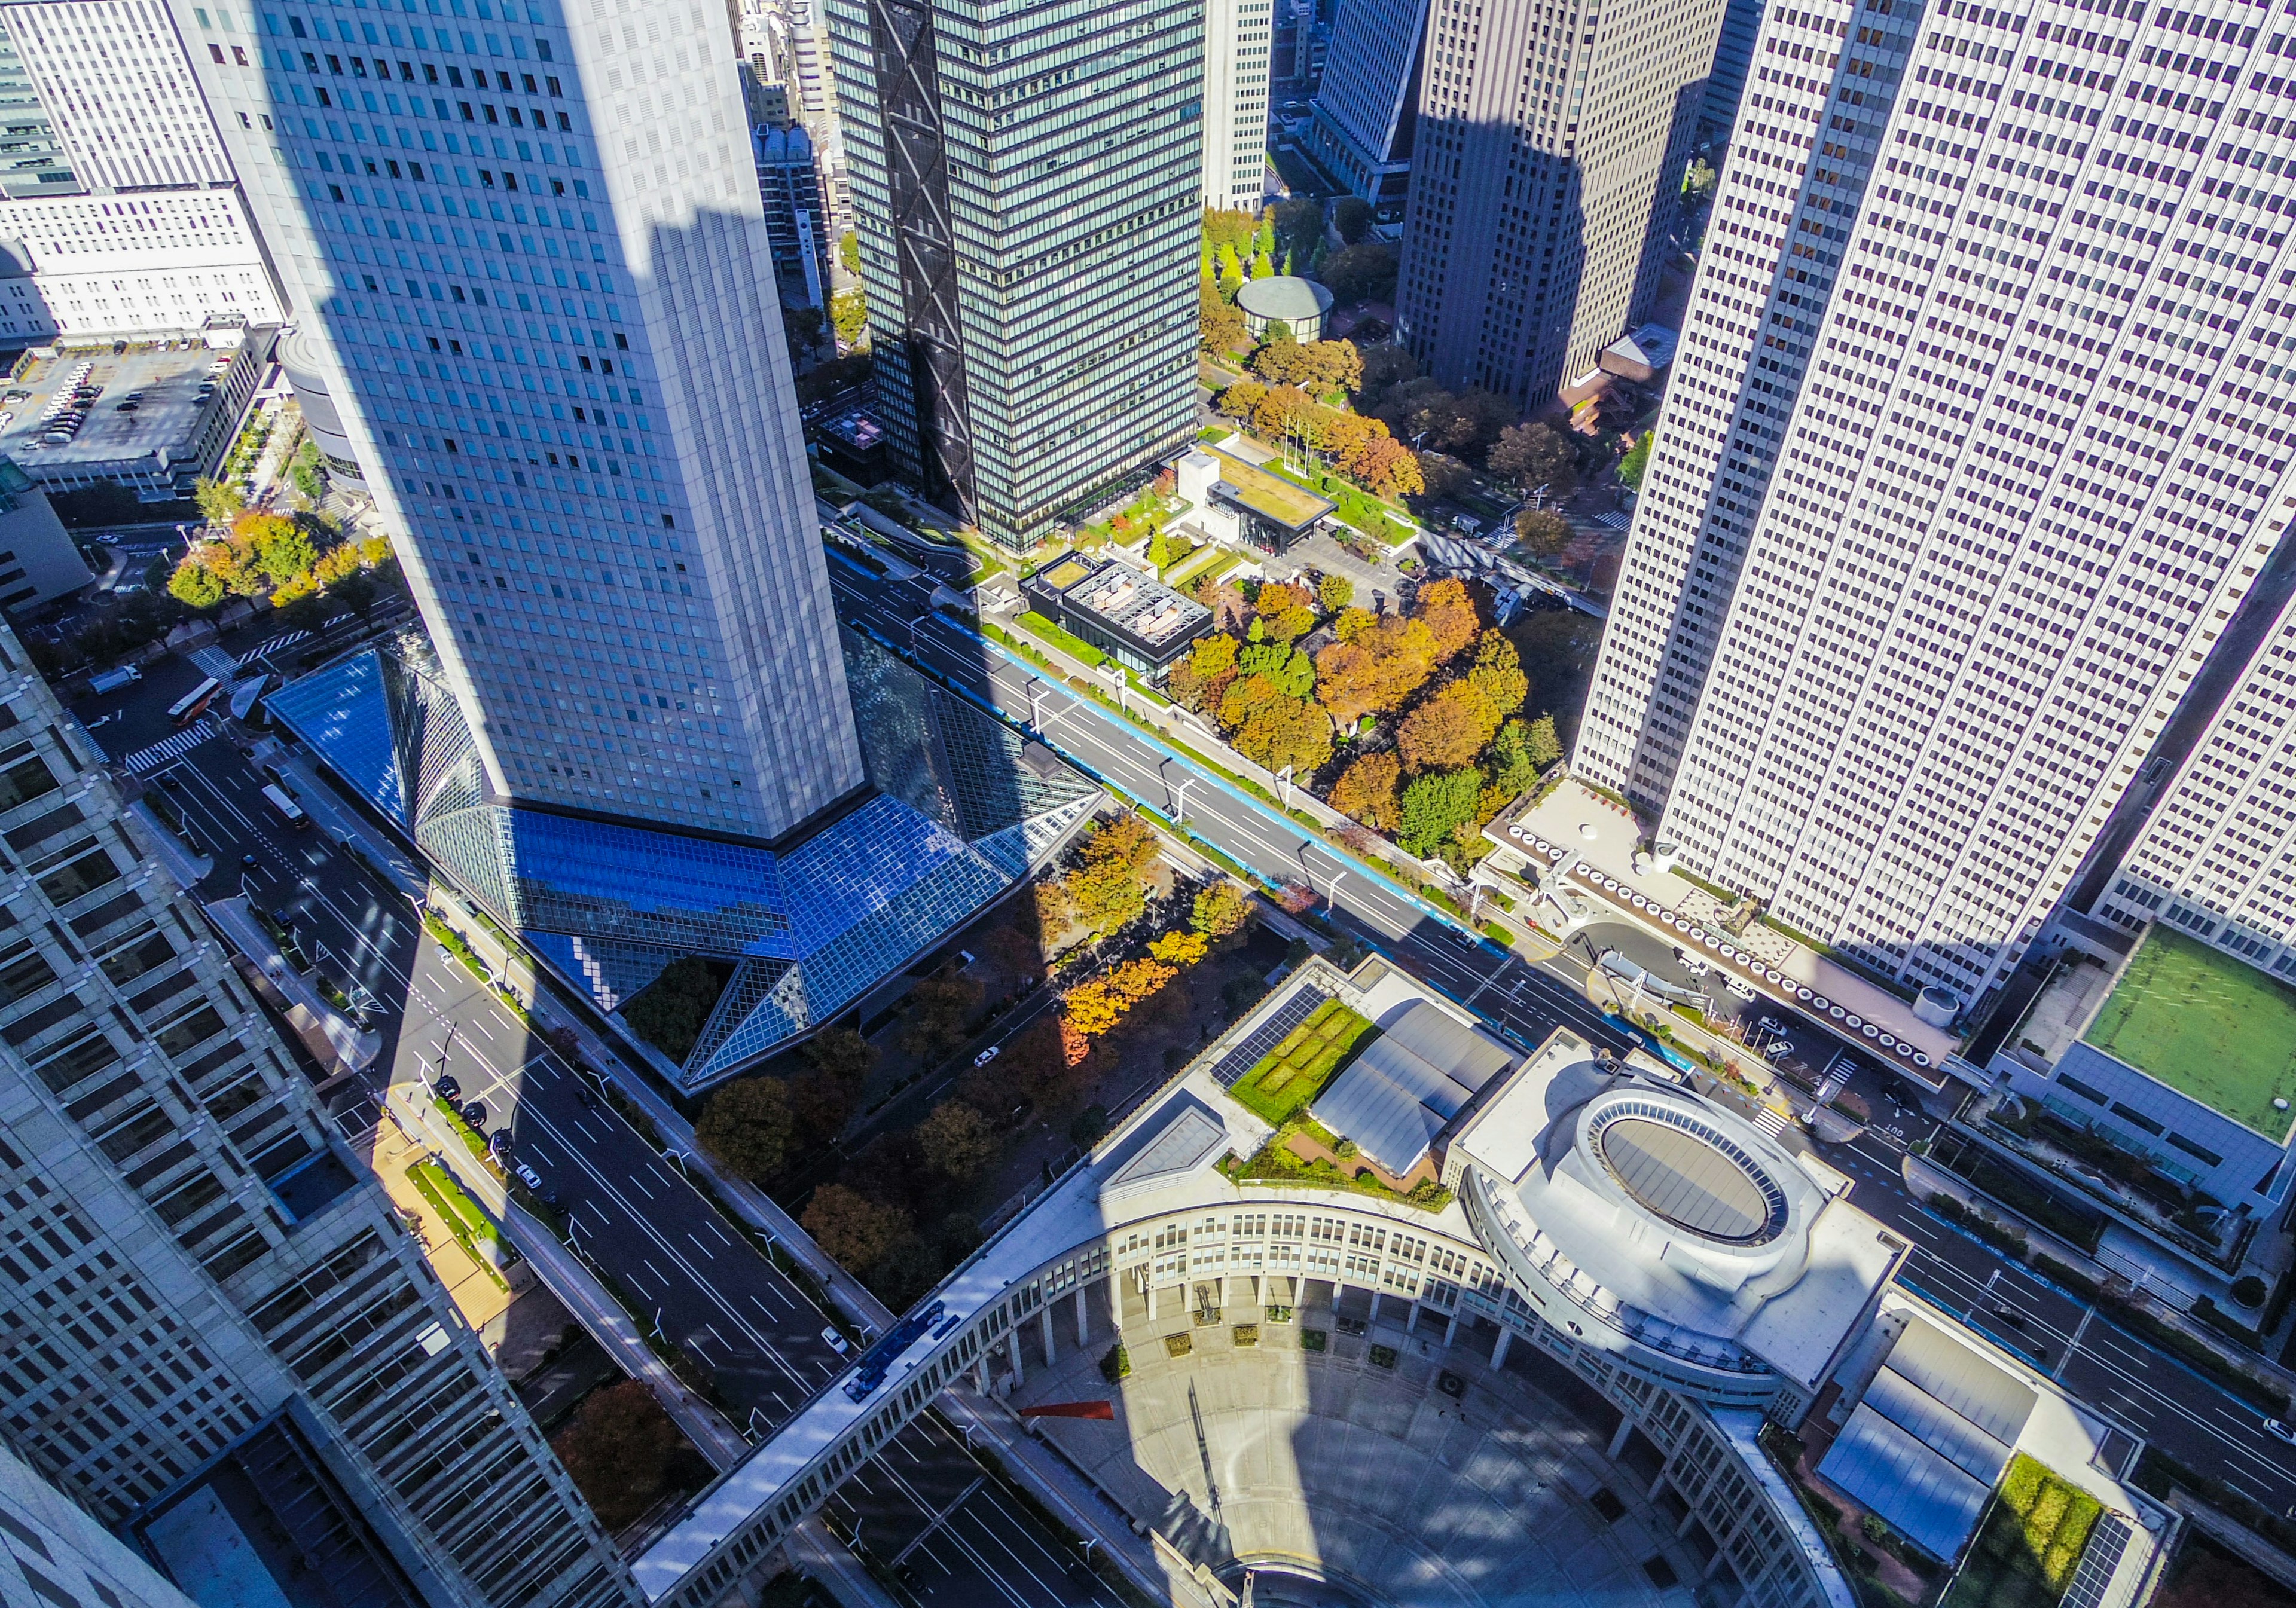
<point x="2107" y="1540"/>
<point x="1248" y="1051"/>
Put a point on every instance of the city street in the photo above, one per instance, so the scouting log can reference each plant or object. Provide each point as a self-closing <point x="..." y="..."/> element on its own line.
<point x="2154" y="1394"/>
<point x="685" y="1271"/>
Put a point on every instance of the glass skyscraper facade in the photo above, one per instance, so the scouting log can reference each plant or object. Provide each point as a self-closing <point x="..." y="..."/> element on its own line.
<point x="536" y="260"/>
<point x="1026" y="183"/>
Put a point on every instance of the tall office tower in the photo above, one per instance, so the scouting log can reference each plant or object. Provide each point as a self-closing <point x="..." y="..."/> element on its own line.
<point x="1551" y="145"/>
<point x="216" y="1335"/>
<point x="65" y="1556"/>
<point x="33" y="160"/>
<point x="1238" y="37"/>
<point x="2216" y="858"/>
<point x="789" y="183"/>
<point x="1361" y="129"/>
<point x="1026" y="202"/>
<point x="785" y="41"/>
<point x="1964" y="468"/>
<point x="539" y="261"/>
<point x="1734" y="60"/>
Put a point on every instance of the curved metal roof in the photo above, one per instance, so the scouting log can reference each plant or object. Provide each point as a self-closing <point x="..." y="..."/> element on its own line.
<point x="1283" y="296"/>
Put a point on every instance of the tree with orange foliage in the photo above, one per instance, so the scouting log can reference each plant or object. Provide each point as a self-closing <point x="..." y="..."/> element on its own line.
<point x="1385" y="467"/>
<point x="1448" y="730"/>
<point x="1380" y="661"/>
<point x="1178" y="948"/>
<point x="1449" y="614"/>
<point x="1366" y="791"/>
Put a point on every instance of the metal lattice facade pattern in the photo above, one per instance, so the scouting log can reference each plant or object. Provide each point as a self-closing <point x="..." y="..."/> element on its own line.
<point x="1025" y="188"/>
<point x="520" y="262"/>
<point x="1968" y="458"/>
<point x="965" y="807"/>
<point x="186" y="1258"/>
<point x="1551" y="145"/>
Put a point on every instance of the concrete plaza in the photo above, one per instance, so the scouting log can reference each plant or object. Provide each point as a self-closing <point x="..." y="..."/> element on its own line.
<point x="1358" y="1466"/>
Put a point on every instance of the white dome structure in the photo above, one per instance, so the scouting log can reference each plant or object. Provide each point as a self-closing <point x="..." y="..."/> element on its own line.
<point x="1301" y="304"/>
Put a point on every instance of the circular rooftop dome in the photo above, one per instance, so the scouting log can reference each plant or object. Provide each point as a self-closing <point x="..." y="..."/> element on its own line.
<point x="1291" y="299"/>
<point x="1686" y="1172"/>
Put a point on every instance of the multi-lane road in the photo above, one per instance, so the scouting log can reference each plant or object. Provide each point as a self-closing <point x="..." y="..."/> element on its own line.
<point x="2155" y="1395"/>
<point x="927" y="1506"/>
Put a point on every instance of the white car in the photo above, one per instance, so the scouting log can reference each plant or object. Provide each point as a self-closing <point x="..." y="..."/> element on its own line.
<point x="1739" y="988"/>
<point x="985" y="1055"/>
<point x="2279" y="1431"/>
<point x="529" y="1177"/>
<point x="837" y="1343"/>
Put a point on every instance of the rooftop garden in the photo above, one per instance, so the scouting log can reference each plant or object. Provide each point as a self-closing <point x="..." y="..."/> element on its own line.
<point x="1289" y="1077"/>
<point x="2211" y="1027"/>
<point x="2031" y="1543"/>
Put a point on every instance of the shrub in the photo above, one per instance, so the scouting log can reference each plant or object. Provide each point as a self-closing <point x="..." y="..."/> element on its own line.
<point x="618" y="1451"/>
<point x="2248" y="1291"/>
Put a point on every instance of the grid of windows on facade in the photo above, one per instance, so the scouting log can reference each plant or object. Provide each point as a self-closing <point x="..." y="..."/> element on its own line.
<point x="111" y="77"/>
<point x="1071" y="368"/>
<point x="147" y="1094"/>
<point x="1548" y="140"/>
<point x="479" y="307"/>
<point x="2007" y="503"/>
<point x="2217" y="858"/>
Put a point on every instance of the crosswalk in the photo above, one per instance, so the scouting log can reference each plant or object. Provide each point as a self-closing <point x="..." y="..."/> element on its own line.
<point x="214" y="662"/>
<point x="284" y="640"/>
<point x="144" y="761"/>
<point x="1769" y="1119"/>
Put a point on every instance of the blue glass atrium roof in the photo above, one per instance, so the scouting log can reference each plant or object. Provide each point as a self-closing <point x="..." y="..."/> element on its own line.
<point x="965" y="808"/>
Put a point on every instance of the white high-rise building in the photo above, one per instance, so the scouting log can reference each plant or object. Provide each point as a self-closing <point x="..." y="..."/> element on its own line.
<point x="147" y="232"/>
<point x="2216" y="858"/>
<point x="1966" y="461"/>
<point x="536" y="250"/>
<point x="1237" y="35"/>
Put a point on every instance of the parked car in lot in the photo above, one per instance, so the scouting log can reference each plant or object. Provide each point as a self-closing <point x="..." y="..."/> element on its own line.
<point x="475" y="1113"/>
<point x="837" y="1343"/>
<point x="448" y="1087"/>
<point x="528" y="1177"/>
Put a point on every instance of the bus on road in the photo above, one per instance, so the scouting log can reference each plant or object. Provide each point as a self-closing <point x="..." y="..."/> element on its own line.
<point x="193" y="702"/>
<point x="276" y="795"/>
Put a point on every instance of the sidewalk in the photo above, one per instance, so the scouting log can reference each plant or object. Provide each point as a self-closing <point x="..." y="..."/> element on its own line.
<point x="573" y="1282"/>
<point x="351" y="1049"/>
<point x="189" y="869"/>
<point x="1925" y="1178"/>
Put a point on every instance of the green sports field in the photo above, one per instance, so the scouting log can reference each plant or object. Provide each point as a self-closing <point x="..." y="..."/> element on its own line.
<point x="2209" y="1026"/>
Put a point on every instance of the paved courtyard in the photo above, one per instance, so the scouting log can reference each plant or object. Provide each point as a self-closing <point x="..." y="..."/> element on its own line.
<point x="1373" y="1477"/>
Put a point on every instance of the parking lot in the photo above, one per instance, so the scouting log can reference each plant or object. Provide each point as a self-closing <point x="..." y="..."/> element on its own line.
<point x="170" y="408"/>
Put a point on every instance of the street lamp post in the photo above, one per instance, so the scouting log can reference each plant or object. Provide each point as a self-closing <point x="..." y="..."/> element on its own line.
<point x="1180" y="800"/>
<point x="1035" y="705"/>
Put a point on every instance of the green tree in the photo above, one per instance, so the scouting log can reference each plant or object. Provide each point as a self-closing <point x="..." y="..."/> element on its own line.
<point x="801" y="327"/>
<point x="1435" y="805"/>
<point x="284" y="552"/>
<point x="1335" y="591"/>
<point x="1544" y="531"/>
<point x="841" y="1053"/>
<point x="747" y="1126"/>
<point x="618" y="1451"/>
<point x="669" y="1013"/>
<point x="1698" y="181"/>
<point x="1532" y="455"/>
<point x="1362" y="272"/>
<point x="957" y="1141"/>
<point x="939" y="1008"/>
<point x="1512" y="768"/>
<point x="1351" y="216"/>
<point x="1263" y="266"/>
<point x="304" y="470"/>
<point x="849" y="251"/>
<point x="219" y="502"/>
<point x="195" y="585"/>
<point x="849" y="310"/>
<point x="1233" y="229"/>
<point x="1498" y="673"/>
<point x="1219" y="327"/>
<point x="851" y="1227"/>
<point x="1632" y="466"/>
<point x="1541" y="743"/>
<point x="1231" y="271"/>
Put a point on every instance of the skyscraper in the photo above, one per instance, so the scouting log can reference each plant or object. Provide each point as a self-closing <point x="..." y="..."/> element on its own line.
<point x="215" y="1333"/>
<point x="1238" y="36"/>
<point x="1550" y="148"/>
<point x="1966" y="462"/>
<point x="1027" y="203"/>
<point x="538" y="257"/>
<point x="539" y="261"/>
<point x="2216" y="858"/>
<point x="64" y="1555"/>
<point x="789" y="182"/>
<point x="1361" y="129"/>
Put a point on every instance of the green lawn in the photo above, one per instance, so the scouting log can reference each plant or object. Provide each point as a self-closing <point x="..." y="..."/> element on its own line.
<point x="2209" y="1026"/>
<point x="2031" y="1543"/>
<point x="1295" y="1070"/>
<point x="1036" y="625"/>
